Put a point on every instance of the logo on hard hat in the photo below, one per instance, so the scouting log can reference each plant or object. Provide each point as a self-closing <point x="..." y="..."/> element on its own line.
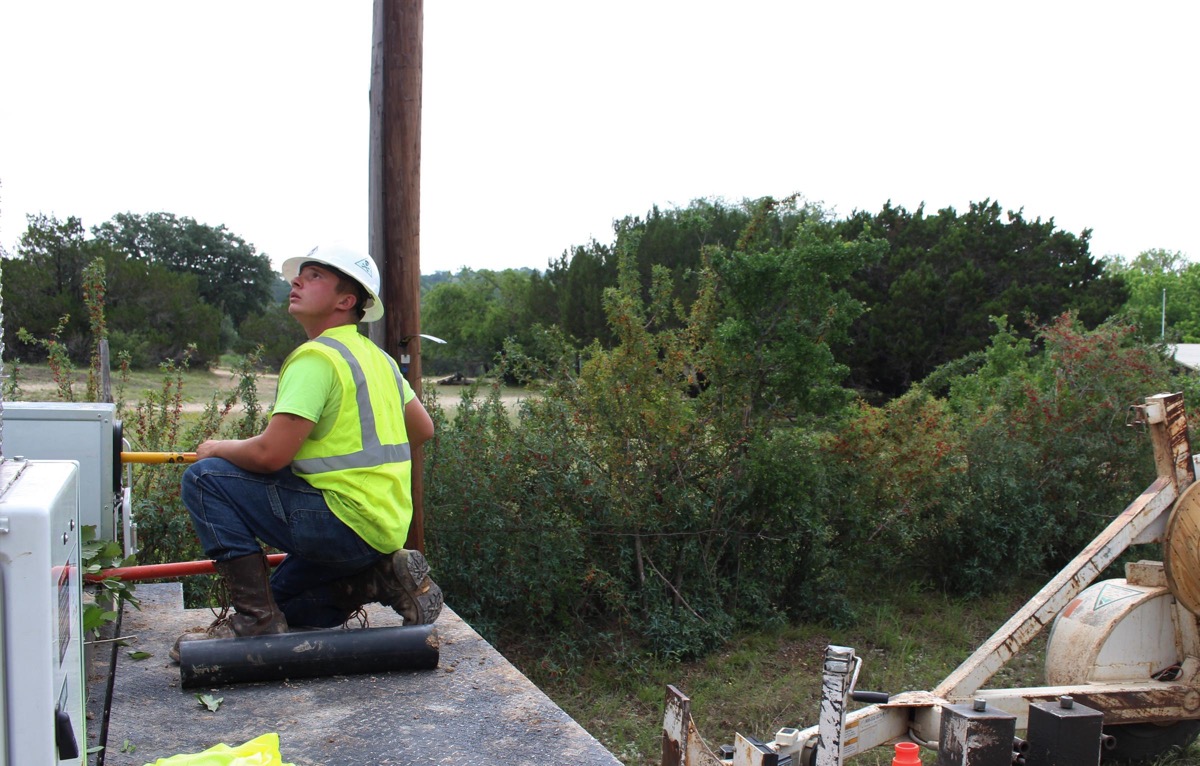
<point x="364" y="264"/>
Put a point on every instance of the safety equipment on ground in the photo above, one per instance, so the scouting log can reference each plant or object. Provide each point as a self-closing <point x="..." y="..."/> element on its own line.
<point x="355" y="265"/>
<point x="260" y="751"/>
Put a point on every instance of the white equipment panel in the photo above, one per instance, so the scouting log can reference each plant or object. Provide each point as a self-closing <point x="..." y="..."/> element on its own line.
<point x="86" y="432"/>
<point x="41" y="704"/>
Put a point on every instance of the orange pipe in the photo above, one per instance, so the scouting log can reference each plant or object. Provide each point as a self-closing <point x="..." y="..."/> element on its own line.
<point x="165" y="571"/>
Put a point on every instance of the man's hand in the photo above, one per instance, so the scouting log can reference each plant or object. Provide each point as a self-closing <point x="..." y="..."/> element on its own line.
<point x="268" y="452"/>
<point x="209" y="448"/>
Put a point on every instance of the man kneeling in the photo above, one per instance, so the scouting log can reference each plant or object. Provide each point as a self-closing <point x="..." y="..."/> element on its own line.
<point x="328" y="482"/>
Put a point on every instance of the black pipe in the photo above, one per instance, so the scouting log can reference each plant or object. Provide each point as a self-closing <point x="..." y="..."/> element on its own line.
<point x="307" y="654"/>
<point x="877" y="698"/>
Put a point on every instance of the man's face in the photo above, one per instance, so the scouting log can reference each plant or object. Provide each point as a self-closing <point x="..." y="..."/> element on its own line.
<point x="315" y="293"/>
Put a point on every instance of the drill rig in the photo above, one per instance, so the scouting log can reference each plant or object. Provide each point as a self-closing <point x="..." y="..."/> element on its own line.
<point x="1123" y="653"/>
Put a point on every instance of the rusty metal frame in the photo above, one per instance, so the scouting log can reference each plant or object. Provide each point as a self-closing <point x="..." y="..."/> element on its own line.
<point x="918" y="714"/>
<point x="682" y="744"/>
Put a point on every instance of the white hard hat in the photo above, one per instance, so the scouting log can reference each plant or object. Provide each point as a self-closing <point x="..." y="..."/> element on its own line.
<point x="358" y="267"/>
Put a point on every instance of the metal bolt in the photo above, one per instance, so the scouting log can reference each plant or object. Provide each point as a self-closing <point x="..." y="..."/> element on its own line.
<point x="980" y="704"/>
<point x="1065" y="702"/>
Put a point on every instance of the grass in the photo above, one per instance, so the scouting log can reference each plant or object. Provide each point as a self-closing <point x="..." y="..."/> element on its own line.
<point x="36" y="383"/>
<point x="909" y="640"/>
<point x="448" y="397"/>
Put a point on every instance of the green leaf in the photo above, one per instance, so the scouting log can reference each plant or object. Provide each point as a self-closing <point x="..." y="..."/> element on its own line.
<point x="209" y="701"/>
<point x="94" y="617"/>
<point x="139" y="655"/>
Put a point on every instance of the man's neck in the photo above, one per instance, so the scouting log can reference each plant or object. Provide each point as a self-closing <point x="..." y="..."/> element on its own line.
<point x="314" y="329"/>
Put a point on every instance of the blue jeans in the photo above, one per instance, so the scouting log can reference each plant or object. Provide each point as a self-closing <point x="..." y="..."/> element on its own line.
<point x="233" y="509"/>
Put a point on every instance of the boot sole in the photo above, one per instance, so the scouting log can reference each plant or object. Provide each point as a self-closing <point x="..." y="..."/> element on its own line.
<point x="424" y="595"/>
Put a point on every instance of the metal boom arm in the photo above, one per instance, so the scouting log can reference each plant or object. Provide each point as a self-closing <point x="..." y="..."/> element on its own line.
<point x="1143" y="521"/>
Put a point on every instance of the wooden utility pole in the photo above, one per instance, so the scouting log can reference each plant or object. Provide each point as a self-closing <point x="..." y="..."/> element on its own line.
<point x="395" y="201"/>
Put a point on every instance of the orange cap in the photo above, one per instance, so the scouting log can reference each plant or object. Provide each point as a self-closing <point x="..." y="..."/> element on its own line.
<point x="907" y="754"/>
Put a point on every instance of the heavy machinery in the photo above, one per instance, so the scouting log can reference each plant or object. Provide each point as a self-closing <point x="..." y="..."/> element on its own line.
<point x="1122" y="661"/>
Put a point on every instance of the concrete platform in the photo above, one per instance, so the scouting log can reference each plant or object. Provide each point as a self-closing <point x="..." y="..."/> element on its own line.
<point x="475" y="708"/>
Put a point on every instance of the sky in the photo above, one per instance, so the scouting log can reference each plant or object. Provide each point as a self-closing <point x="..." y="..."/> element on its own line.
<point x="543" y="121"/>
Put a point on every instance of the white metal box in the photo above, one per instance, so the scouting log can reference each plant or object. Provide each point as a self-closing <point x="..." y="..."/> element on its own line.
<point x="86" y="432"/>
<point x="41" y="637"/>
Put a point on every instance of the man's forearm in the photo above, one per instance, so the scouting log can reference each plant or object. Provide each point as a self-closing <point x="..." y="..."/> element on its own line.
<point x="247" y="454"/>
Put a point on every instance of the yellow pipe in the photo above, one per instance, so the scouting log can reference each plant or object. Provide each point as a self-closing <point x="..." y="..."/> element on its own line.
<point x="158" y="458"/>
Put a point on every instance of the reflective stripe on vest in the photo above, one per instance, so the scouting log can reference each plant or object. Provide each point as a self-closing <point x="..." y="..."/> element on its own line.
<point x="372" y="453"/>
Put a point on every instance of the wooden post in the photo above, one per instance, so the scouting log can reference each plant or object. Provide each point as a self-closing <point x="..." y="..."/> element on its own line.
<point x="395" y="200"/>
<point x="105" y="372"/>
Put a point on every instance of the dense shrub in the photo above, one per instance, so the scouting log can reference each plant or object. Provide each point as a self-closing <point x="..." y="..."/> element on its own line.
<point x="899" y="477"/>
<point x="1049" y="435"/>
<point x="1022" y="464"/>
<point x="663" y="486"/>
<point x="500" y="529"/>
<point x="790" y="525"/>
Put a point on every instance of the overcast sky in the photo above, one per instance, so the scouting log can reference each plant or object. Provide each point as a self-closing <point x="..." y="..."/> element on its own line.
<point x="545" y="120"/>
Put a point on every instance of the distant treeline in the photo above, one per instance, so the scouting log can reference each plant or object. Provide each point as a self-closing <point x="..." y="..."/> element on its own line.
<point x="171" y="288"/>
<point x="923" y="298"/>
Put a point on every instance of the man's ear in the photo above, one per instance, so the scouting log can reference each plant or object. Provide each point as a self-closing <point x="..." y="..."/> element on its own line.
<point x="347" y="301"/>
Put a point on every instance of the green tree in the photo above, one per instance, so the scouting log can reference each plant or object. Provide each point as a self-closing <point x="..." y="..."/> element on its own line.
<point x="475" y="313"/>
<point x="1164" y="295"/>
<point x="571" y="292"/>
<point x="637" y="489"/>
<point x="930" y="298"/>
<point x="783" y="306"/>
<point x="1011" y="473"/>
<point x="429" y="281"/>
<point x="43" y="282"/>
<point x="274" y="333"/>
<point x="156" y="315"/>
<point x="578" y="285"/>
<point x="152" y="313"/>
<point x="230" y="275"/>
<point x="675" y="239"/>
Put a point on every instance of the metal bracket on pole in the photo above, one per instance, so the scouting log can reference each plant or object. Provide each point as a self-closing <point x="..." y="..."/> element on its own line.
<point x="405" y="357"/>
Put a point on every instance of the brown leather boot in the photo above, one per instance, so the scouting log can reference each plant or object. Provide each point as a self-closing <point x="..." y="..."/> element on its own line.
<point x="254" y="611"/>
<point x="399" y="580"/>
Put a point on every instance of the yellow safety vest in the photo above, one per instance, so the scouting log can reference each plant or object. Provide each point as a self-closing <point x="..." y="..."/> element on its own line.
<point x="363" y="465"/>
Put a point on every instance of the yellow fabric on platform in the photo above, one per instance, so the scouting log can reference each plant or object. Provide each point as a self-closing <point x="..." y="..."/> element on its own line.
<point x="260" y="751"/>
